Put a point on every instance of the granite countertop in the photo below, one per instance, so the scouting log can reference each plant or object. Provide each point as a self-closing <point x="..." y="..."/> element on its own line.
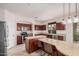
<point x="36" y="37"/>
<point x="54" y="34"/>
<point x="70" y="49"/>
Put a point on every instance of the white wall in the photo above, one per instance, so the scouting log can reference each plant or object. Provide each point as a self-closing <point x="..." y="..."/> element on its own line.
<point x="10" y="28"/>
<point x="1" y="14"/>
<point x="11" y="19"/>
<point x="69" y="32"/>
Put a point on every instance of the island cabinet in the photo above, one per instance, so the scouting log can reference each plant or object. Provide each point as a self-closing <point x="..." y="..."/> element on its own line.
<point x="60" y="26"/>
<point x="55" y="52"/>
<point x="32" y="45"/>
<point x="52" y="50"/>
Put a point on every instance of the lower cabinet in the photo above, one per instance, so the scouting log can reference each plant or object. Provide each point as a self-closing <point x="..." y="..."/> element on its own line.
<point x="55" y="52"/>
<point x="33" y="45"/>
<point x="47" y="48"/>
<point x="60" y="37"/>
<point x="19" y="40"/>
<point x="52" y="50"/>
<point x="49" y="36"/>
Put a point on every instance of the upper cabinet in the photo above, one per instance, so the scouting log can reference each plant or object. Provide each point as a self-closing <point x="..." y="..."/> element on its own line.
<point x="60" y="26"/>
<point x="40" y="27"/>
<point x="52" y="28"/>
<point x="21" y="26"/>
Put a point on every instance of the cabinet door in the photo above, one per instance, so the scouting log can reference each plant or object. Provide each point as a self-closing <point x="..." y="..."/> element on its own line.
<point x="28" y="26"/>
<point x="19" y="40"/>
<point x="60" y="37"/>
<point x="24" y="26"/>
<point x="19" y="27"/>
<point x="36" y="27"/>
<point x="54" y="50"/>
<point x="49" y="36"/>
<point x="60" y="26"/>
<point x="40" y="27"/>
<point x="33" y="45"/>
<point x="43" y="27"/>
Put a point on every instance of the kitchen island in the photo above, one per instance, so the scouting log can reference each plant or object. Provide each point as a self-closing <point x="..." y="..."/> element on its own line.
<point x="31" y="43"/>
<point x="69" y="49"/>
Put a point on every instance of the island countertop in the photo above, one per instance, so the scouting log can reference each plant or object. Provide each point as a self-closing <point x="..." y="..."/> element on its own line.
<point x="69" y="49"/>
<point x="36" y="37"/>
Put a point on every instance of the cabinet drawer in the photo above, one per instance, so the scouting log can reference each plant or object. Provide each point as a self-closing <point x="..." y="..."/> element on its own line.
<point x="60" y="26"/>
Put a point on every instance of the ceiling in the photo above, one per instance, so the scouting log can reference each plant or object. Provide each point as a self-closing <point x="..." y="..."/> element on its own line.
<point x="38" y="11"/>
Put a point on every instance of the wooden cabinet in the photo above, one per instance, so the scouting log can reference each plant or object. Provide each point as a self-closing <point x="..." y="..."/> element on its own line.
<point x="40" y="27"/>
<point x="52" y="27"/>
<point x="55" y="52"/>
<point x="19" y="26"/>
<point x="49" y="36"/>
<point x="41" y="34"/>
<point x="51" y="49"/>
<point x="54" y="36"/>
<point x="60" y="26"/>
<point x="60" y="37"/>
<point x="43" y="27"/>
<point x="37" y="27"/>
<point x="24" y="26"/>
<point x="19" y="40"/>
<point x="33" y="45"/>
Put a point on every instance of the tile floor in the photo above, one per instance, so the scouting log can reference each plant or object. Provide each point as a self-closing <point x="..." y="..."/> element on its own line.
<point x="19" y="50"/>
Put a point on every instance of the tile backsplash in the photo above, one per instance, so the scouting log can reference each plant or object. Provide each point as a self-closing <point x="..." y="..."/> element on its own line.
<point x="60" y="32"/>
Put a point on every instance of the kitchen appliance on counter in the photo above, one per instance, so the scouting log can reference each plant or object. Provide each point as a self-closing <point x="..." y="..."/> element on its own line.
<point x="24" y="34"/>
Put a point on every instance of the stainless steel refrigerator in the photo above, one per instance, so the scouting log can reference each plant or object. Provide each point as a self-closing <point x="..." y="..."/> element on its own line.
<point x="2" y="39"/>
